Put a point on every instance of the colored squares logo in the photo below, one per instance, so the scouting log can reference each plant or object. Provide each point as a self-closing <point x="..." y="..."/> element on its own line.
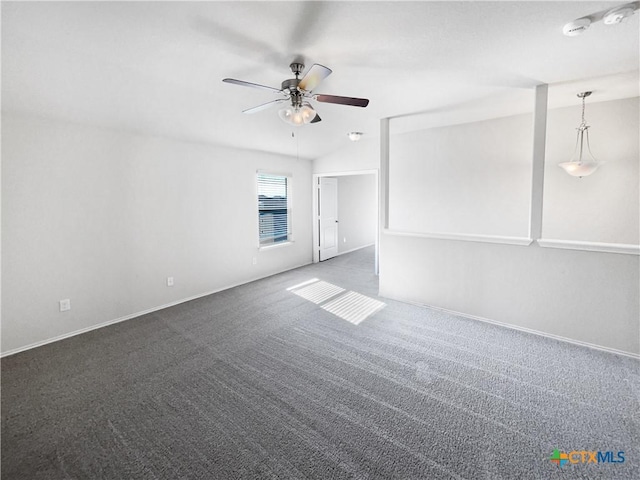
<point x="559" y="458"/>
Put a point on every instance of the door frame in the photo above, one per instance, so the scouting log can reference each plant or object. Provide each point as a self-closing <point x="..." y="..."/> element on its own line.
<point x="328" y="220"/>
<point x="314" y="213"/>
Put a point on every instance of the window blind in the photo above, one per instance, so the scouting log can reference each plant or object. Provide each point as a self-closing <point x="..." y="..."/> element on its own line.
<point x="273" y="208"/>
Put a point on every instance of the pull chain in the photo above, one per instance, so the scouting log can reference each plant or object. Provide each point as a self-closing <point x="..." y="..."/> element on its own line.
<point x="297" y="139"/>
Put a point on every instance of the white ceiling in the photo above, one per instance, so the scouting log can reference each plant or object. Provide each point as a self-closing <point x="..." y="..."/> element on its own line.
<point x="156" y="67"/>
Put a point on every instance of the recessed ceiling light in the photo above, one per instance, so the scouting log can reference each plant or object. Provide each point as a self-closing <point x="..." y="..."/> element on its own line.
<point x="354" y="136"/>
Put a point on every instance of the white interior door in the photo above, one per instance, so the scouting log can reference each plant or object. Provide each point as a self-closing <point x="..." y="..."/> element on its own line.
<point x="328" y="217"/>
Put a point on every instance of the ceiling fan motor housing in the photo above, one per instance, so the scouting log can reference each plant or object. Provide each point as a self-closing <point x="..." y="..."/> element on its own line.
<point x="291" y="84"/>
<point x="290" y="87"/>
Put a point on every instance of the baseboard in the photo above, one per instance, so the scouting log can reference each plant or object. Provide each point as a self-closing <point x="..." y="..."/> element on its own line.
<point x="525" y="329"/>
<point x="138" y="314"/>
<point x="356" y="249"/>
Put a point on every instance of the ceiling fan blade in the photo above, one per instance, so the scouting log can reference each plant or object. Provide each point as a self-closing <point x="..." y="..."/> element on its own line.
<point x="264" y="106"/>
<point x="242" y="83"/>
<point x="316" y="74"/>
<point x="316" y="119"/>
<point x="355" y="102"/>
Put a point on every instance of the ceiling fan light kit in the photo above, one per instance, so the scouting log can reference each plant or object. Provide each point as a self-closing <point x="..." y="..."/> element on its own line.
<point x="582" y="163"/>
<point x="297" y="116"/>
<point x="298" y="92"/>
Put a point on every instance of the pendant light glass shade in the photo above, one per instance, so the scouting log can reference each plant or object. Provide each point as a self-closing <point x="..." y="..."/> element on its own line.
<point x="297" y="116"/>
<point x="582" y="163"/>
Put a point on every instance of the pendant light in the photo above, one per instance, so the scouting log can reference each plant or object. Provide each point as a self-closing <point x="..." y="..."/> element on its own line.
<point x="582" y="163"/>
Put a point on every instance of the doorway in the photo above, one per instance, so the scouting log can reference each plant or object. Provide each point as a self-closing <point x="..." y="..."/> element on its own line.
<point x="345" y="213"/>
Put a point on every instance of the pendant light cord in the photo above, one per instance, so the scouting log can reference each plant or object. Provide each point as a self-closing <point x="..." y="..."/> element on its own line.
<point x="582" y="130"/>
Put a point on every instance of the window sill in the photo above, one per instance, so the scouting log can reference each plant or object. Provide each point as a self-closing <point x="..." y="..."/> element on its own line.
<point x="276" y="245"/>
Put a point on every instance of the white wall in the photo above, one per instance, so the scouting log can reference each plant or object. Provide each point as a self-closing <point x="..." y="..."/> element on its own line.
<point x="103" y="217"/>
<point x="590" y="297"/>
<point x="357" y="211"/>
<point x="603" y="207"/>
<point x="472" y="178"/>
<point x="354" y="156"/>
<point x="587" y="296"/>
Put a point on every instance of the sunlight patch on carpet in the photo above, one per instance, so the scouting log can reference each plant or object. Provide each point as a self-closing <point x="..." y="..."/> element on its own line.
<point x="353" y="307"/>
<point x="350" y="306"/>
<point x="318" y="292"/>
<point x="295" y="287"/>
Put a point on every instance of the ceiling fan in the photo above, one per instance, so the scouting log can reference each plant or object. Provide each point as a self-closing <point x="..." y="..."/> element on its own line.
<point x="297" y="92"/>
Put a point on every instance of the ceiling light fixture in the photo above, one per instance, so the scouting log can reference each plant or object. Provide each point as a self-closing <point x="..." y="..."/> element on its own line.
<point x="355" y="136"/>
<point x="581" y="165"/>
<point x="297" y="115"/>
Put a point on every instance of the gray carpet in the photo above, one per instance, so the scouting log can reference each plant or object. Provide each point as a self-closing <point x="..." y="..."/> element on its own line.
<point x="260" y="382"/>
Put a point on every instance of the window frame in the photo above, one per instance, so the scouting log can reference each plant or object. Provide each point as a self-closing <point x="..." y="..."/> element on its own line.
<point x="289" y="192"/>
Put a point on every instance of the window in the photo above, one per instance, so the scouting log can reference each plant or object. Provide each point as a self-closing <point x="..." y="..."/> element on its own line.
<point x="274" y="211"/>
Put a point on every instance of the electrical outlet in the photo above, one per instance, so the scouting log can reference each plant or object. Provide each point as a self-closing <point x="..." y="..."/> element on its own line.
<point x="65" y="305"/>
<point x="255" y="261"/>
<point x="169" y="281"/>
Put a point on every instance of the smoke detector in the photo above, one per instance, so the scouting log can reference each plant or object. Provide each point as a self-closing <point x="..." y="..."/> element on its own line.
<point x="618" y="14"/>
<point x="576" y="27"/>
<point x="612" y="17"/>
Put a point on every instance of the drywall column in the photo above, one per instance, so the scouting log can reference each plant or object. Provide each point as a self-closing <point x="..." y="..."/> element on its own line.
<point x="384" y="173"/>
<point x="537" y="174"/>
<point x="383" y="184"/>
